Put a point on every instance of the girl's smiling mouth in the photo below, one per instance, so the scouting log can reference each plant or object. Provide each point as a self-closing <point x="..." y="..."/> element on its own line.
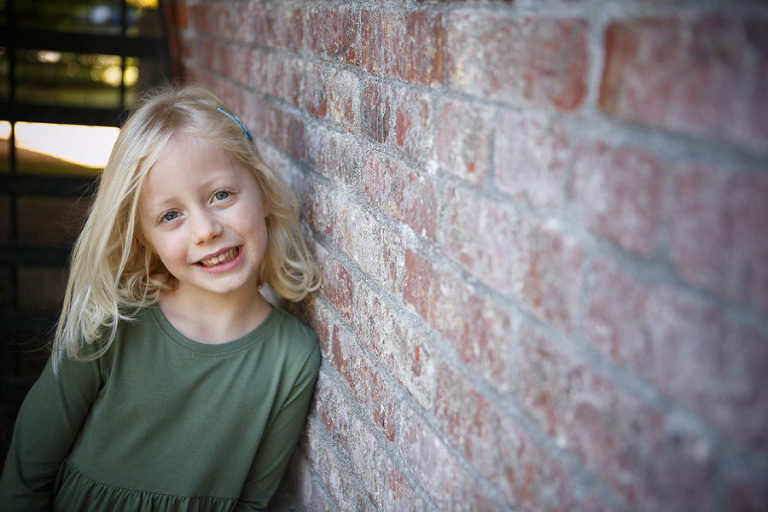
<point x="221" y="258"/>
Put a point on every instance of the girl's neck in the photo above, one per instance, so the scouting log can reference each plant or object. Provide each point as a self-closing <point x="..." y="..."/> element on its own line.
<point x="214" y="321"/>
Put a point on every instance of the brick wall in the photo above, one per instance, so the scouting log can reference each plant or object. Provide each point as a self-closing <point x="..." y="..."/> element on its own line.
<point x="543" y="227"/>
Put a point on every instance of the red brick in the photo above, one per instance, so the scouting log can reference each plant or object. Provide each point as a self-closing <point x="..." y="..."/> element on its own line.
<point x="256" y="73"/>
<point x="177" y="14"/>
<point x="335" y="155"/>
<point x="404" y="45"/>
<point x="377" y="250"/>
<point x="702" y="75"/>
<point x="532" y="158"/>
<point x="281" y="27"/>
<point x="320" y="318"/>
<point x="338" y="286"/>
<point x="200" y="49"/>
<point x="464" y="140"/>
<point x="537" y="62"/>
<point x="332" y="32"/>
<point x="412" y="123"/>
<point x="478" y="328"/>
<point x="332" y="408"/>
<point x="238" y="64"/>
<point x="314" y="90"/>
<point x="248" y="18"/>
<point x="283" y="77"/>
<point x="214" y="55"/>
<point x="403" y="352"/>
<point x="402" y="193"/>
<point x="198" y="14"/>
<point x="479" y="234"/>
<point x="342" y="94"/>
<point x="317" y="207"/>
<point x="423" y="45"/>
<point x="685" y="347"/>
<point x="619" y="195"/>
<point x="721" y="364"/>
<point x="419" y="284"/>
<point x="398" y="116"/>
<point x="533" y="262"/>
<point x="333" y="470"/>
<point x="365" y="381"/>
<point x="499" y="448"/>
<point x="376" y="112"/>
<point x="379" y="474"/>
<point x="653" y="465"/>
<point x="442" y="475"/>
<point x="551" y="274"/>
<point x="298" y="488"/>
<point x="713" y="210"/>
<point x="220" y="19"/>
<point x="614" y="321"/>
<point x="287" y="132"/>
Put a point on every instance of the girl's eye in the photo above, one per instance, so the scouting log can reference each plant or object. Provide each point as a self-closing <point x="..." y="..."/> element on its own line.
<point x="169" y="216"/>
<point x="221" y="195"/>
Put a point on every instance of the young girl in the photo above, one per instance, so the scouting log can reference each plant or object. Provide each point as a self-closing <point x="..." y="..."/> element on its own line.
<point x="173" y="384"/>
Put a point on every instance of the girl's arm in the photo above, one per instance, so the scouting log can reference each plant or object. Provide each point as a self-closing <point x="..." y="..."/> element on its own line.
<point x="280" y="439"/>
<point x="46" y="427"/>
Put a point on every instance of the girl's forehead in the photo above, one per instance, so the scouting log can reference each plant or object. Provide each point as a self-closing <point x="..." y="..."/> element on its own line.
<point x="187" y="158"/>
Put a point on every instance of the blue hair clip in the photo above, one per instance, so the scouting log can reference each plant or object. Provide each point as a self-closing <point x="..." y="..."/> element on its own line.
<point x="238" y="121"/>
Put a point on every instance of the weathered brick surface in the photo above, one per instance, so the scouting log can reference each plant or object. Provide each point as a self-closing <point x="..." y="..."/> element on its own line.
<point x="447" y="482"/>
<point x="703" y="76"/>
<point x="395" y="189"/>
<point x="405" y="45"/>
<point x="375" y="249"/>
<point x="531" y="158"/>
<point x="618" y="192"/>
<point x="332" y="33"/>
<point x="713" y="210"/>
<point x="616" y="436"/>
<point x="542" y="230"/>
<point x="673" y="339"/>
<point x="404" y="352"/>
<point x="480" y="235"/>
<point x="535" y="61"/>
<point x="463" y="140"/>
<point x="367" y="382"/>
<point x="500" y="450"/>
<point x="479" y="330"/>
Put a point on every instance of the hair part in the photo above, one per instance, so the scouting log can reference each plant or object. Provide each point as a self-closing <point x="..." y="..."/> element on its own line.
<point x="113" y="274"/>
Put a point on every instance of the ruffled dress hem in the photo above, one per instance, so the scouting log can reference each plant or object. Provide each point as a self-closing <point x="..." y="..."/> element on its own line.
<point x="77" y="491"/>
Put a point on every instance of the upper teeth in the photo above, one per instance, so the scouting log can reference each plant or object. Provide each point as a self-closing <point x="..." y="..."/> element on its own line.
<point x="221" y="258"/>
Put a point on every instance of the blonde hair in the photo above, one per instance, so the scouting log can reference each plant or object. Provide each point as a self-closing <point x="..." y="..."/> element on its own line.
<point x="113" y="275"/>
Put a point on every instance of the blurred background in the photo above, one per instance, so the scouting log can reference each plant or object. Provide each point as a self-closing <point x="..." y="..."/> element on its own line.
<point x="68" y="70"/>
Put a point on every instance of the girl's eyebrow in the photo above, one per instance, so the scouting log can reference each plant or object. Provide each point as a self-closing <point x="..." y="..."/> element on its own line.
<point x="209" y="183"/>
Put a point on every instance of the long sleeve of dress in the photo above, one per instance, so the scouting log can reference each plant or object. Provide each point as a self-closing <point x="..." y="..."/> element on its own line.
<point x="46" y="427"/>
<point x="280" y="439"/>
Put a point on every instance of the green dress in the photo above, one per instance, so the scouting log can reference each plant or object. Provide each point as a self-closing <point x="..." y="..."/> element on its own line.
<point x="161" y="422"/>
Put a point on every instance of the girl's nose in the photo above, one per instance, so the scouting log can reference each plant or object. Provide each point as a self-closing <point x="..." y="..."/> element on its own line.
<point x="205" y="227"/>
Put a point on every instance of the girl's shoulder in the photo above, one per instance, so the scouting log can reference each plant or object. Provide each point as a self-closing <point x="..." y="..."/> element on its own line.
<point x="294" y="337"/>
<point x="286" y="325"/>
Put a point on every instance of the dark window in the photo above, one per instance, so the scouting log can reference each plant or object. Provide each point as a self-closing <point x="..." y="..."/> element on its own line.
<point x="63" y="66"/>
